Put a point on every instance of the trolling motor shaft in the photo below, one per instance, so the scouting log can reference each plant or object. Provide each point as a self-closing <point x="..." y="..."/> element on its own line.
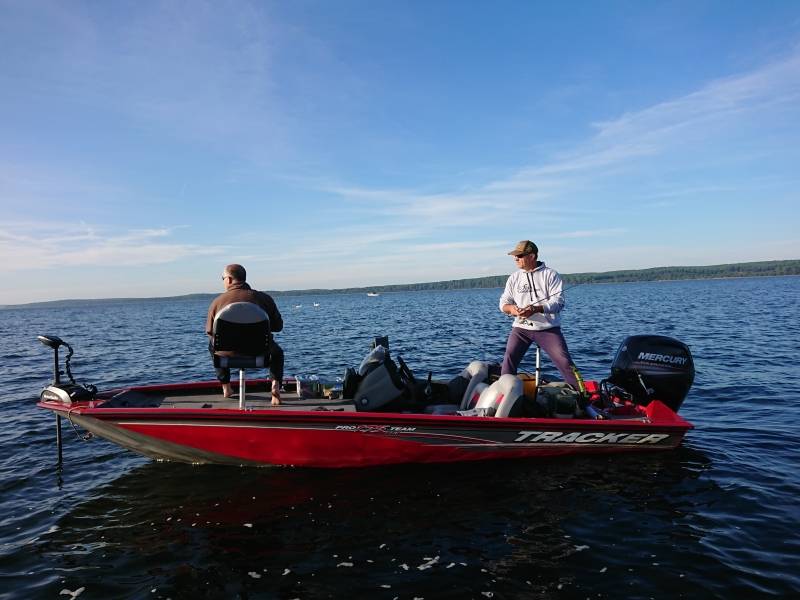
<point x="54" y="343"/>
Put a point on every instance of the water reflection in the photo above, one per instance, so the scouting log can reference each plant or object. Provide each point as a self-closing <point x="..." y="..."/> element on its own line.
<point x="511" y="527"/>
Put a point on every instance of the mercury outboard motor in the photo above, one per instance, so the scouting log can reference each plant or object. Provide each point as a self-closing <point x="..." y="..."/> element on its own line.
<point x="653" y="367"/>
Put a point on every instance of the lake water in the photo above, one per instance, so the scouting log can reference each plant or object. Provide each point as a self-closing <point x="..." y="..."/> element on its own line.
<point x="716" y="518"/>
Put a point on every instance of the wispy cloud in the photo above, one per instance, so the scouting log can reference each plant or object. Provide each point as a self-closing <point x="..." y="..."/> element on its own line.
<point x="770" y="86"/>
<point x="191" y="70"/>
<point x="339" y="245"/>
<point x="433" y="211"/>
<point x="587" y="233"/>
<point x="661" y="130"/>
<point x="26" y="246"/>
<point x="35" y="183"/>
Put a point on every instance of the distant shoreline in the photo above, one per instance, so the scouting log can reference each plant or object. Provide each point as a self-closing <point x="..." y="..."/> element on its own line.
<point x="774" y="268"/>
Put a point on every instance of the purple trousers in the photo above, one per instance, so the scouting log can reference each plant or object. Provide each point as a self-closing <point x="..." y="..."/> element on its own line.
<point x="550" y="340"/>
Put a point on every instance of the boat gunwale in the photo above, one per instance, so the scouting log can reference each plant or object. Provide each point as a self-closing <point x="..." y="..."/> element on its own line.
<point x="675" y="423"/>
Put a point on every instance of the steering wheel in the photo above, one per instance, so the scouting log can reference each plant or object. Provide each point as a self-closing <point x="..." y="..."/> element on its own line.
<point x="405" y="373"/>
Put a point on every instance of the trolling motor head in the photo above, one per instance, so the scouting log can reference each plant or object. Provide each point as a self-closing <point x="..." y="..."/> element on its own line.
<point x="66" y="393"/>
<point x="51" y="341"/>
<point x="55" y="342"/>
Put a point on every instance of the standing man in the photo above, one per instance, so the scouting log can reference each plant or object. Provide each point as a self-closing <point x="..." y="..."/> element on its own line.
<point x="237" y="290"/>
<point x="533" y="295"/>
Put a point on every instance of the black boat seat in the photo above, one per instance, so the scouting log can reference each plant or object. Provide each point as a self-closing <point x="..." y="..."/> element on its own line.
<point x="241" y="362"/>
<point x="241" y="340"/>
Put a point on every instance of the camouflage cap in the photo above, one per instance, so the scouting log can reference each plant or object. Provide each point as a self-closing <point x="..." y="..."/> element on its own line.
<point x="524" y="248"/>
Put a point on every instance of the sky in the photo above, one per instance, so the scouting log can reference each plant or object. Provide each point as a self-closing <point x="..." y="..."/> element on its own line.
<point x="338" y="143"/>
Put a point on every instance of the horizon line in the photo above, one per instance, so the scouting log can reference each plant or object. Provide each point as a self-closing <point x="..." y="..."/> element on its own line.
<point x="357" y="289"/>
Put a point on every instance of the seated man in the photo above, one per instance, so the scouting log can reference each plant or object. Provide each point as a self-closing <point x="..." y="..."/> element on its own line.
<point x="237" y="290"/>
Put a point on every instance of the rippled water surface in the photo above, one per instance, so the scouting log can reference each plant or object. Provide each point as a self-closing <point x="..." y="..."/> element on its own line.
<point x="717" y="517"/>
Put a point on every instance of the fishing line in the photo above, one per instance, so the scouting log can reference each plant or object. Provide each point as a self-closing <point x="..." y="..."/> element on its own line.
<point x="560" y="292"/>
<point x="483" y="343"/>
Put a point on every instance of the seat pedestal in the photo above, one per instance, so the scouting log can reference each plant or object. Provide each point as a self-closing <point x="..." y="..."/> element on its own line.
<point x="241" y="389"/>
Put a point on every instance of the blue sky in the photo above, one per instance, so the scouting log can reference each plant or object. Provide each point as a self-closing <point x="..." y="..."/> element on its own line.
<point x="144" y="145"/>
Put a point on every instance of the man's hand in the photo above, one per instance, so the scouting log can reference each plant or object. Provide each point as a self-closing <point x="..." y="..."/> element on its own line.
<point x="523" y="312"/>
<point x="526" y="312"/>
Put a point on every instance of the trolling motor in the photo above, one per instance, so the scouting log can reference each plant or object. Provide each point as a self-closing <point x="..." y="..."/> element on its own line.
<point x="66" y="393"/>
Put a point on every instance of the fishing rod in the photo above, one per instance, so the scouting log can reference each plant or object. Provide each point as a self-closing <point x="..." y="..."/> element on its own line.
<point x="482" y="343"/>
<point x="539" y="300"/>
<point x="573" y="286"/>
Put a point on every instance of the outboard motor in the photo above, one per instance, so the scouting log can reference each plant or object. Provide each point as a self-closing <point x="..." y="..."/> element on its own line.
<point x="653" y="367"/>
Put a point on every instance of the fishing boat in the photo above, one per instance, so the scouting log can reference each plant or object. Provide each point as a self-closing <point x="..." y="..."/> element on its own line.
<point x="382" y="413"/>
<point x="373" y="294"/>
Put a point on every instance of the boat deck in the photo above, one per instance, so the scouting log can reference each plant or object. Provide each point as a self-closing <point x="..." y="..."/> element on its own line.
<point x="213" y="398"/>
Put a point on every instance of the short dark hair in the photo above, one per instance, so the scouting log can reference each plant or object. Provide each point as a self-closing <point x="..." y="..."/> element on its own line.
<point x="236" y="272"/>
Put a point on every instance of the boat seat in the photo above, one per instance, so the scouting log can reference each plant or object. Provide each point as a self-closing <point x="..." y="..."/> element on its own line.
<point x="476" y="373"/>
<point x="379" y="387"/>
<point x="241" y="340"/>
<point x="501" y="399"/>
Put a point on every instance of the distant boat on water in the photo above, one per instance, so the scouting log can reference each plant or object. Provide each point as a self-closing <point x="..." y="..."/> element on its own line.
<point x="316" y="304"/>
<point x="373" y="294"/>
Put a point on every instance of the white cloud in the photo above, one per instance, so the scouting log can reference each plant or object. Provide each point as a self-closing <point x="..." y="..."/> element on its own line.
<point x="772" y="85"/>
<point x="26" y="246"/>
<point x="666" y="129"/>
<point x="587" y="233"/>
<point x="192" y="70"/>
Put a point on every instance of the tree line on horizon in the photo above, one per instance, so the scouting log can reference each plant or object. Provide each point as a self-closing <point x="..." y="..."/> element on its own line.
<point x="752" y="269"/>
<point x="768" y="268"/>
